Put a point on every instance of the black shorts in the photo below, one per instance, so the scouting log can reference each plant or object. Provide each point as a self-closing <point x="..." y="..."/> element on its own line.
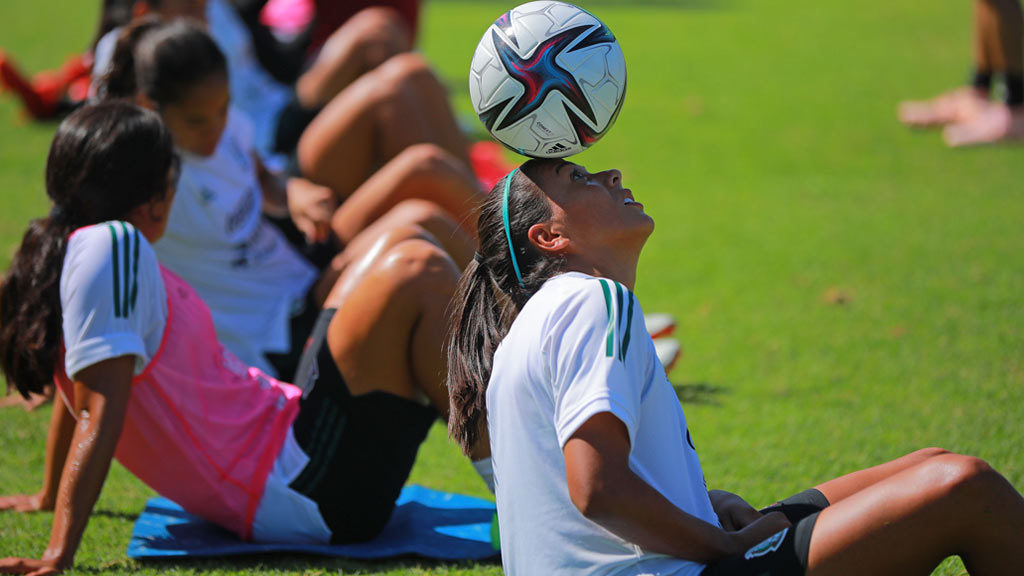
<point x="361" y="448"/>
<point x="785" y="553"/>
<point x="291" y="123"/>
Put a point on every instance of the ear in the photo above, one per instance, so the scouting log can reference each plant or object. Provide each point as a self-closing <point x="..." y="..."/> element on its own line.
<point x="548" y="238"/>
<point x="145" y="101"/>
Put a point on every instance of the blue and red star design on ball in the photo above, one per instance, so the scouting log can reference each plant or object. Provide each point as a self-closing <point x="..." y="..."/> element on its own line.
<point x="540" y="74"/>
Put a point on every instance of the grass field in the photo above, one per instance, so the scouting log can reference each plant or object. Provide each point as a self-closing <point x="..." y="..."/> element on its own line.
<point x="847" y="290"/>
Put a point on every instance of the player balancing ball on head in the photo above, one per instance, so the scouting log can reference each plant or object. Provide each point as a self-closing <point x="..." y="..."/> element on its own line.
<point x="548" y="79"/>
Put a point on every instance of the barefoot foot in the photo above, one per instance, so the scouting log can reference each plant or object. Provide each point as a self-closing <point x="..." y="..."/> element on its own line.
<point x="996" y="123"/>
<point x="960" y="105"/>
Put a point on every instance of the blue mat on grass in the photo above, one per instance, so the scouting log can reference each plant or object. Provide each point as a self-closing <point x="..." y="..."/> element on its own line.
<point x="425" y="523"/>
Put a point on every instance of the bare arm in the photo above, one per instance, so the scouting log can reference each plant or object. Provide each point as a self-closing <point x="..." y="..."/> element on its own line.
<point x="310" y="206"/>
<point x="101" y="401"/>
<point x="606" y="491"/>
<point x="274" y="190"/>
<point x="733" y="512"/>
<point x="58" y="440"/>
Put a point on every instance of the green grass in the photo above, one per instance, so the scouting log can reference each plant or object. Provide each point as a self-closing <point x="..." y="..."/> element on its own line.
<point x="762" y="137"/>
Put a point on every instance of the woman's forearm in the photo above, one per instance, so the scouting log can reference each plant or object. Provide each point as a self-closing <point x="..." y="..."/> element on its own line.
<point x="101" y="402"/>
<point x="605" y="490"/>
<point x="633" y="510"/>
<point x="58" y="441"/>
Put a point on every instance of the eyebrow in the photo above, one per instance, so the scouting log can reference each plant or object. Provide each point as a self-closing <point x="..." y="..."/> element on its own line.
<point x="562" y="165"/>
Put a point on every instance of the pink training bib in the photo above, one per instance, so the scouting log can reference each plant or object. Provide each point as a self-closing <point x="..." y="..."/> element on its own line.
<point x="202" y="428"/>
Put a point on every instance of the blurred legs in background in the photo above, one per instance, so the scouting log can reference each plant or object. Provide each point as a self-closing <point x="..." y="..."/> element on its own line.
<point x="967" y="113"/>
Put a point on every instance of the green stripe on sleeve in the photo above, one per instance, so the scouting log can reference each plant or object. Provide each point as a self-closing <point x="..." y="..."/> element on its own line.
<point x="117" y="275"/>
<point x="618" y="304"/>
<point x="135" y="271"/>
<point x="127" y="240"/>
<point x="629" y="324"/>
<point x="610" y="336"/>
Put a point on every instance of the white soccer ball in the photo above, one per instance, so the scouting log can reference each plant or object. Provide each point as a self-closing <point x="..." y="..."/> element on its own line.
<point x="548" y="79"/>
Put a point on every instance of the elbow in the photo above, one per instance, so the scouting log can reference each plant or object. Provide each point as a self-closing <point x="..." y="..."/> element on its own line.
<point x="593" y="497"/>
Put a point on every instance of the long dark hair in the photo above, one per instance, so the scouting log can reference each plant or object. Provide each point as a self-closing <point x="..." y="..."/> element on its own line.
<point x="113" y="13"/>
<point x="489" y="296"/>
<point x="105" y="160"/>
<point x="161" y="60"/>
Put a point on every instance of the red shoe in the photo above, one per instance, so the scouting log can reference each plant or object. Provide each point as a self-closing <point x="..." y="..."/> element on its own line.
<point x="659" y="325"/>
<point x="40" y="104"/>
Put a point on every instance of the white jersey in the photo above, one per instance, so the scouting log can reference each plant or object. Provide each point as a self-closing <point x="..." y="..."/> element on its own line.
<point x="253" y="90"/>
<point x="112" y="296"/>
<point x="102" y="57"/>
<point x="579" y="348"/>
<point x="218" y="241"/>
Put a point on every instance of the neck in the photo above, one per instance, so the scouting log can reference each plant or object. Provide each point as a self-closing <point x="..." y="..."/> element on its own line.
<point x="622" y="271"/>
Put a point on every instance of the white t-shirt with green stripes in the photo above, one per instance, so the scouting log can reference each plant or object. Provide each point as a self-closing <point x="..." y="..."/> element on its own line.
<point x="112" y="295"/>
<point x="579" y="348"/>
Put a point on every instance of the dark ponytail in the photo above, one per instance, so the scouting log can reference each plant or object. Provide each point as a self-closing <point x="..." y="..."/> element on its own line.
<point x="104" y="161"/>
<point x="489" y="297"/>
<point x="113" y="14"/>
<point x="162" y="61"/>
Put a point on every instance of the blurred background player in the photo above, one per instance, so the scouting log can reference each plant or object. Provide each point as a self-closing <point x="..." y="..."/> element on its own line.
<point x="264" y="295"/>
<point x="968" y="114"/>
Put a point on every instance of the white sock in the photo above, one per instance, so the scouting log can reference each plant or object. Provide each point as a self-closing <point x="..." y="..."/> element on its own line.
<point x="484" y="468"/>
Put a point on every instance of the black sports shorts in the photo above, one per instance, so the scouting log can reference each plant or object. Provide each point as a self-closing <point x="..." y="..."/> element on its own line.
<point x="361" y="448"/>
<point x="784" y="553"/>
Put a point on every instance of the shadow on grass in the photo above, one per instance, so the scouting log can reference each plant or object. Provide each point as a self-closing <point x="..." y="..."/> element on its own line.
<point x="126" y="516"/>
<point x="275" y="563"/>
<point x="699" y="393"/>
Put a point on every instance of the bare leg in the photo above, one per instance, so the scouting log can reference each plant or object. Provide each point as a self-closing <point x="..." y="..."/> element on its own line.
<point x="907" y="523"/>
<point x="423" y="171"/>
<point x="408" y="219"/>
<point x="848" y="485"/>
<point x="998" y="121"/>
<point x="361" y="44"/>
<point x="386" y="110"/>
<point x="388" y="331"/>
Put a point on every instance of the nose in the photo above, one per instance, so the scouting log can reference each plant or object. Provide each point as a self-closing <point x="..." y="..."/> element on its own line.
<point x="613" y="177"/>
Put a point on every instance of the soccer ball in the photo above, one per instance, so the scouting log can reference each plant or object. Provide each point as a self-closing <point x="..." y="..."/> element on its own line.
<point x="548" y="79"/>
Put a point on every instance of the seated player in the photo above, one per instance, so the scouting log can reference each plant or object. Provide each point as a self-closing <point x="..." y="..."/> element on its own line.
<point x="144" y="380"/>
<point x="264" y="295"/>
<point x="593" y="462"/>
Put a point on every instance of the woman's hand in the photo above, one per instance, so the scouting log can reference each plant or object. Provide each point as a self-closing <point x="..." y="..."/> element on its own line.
<point x="28" y="566"/>
<point x="311" y="207"/>
<point x="27" y="502"/>
<point x="733" y="511"/>
<point x="760" y="530"/>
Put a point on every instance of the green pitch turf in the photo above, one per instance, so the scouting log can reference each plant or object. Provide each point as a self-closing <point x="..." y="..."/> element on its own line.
<point x="847" y="290"/>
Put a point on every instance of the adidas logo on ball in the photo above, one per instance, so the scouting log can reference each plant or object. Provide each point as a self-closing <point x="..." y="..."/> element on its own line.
<point x="557" y="148"/>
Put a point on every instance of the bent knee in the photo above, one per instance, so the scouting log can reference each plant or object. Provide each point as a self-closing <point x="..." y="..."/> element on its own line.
<point x="420" y="261"/>
<point x="379" y="21"/>
<point x="427" y="158"/>
<point x="415" y="211"/>
<point x="930" y="452"/>
<point x="402" y="67"/>
<point x="951" y="473"/>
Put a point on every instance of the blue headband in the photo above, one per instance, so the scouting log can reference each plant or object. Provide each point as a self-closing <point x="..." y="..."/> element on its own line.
<point x="508" y="229"/>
